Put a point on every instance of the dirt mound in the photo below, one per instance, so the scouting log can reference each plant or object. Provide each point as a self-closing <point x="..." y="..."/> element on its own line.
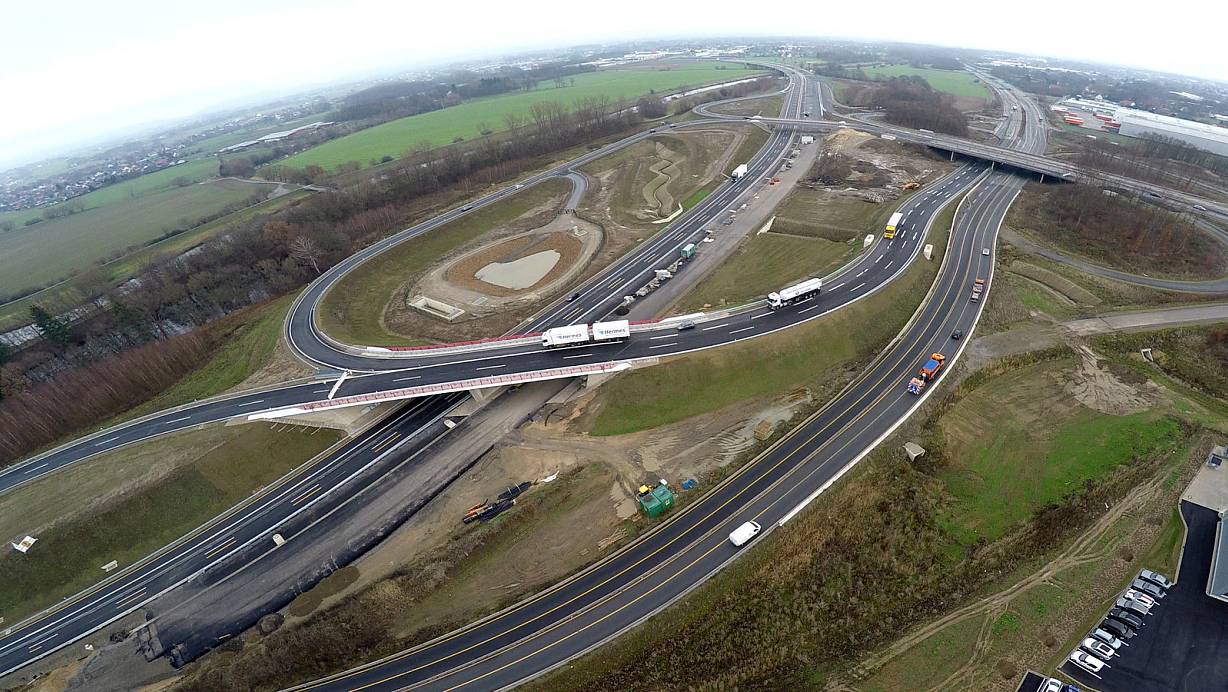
<point x="1097" y="388"/>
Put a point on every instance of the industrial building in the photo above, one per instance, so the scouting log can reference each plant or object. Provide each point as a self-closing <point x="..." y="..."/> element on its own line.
<point x="1137" y="123"/>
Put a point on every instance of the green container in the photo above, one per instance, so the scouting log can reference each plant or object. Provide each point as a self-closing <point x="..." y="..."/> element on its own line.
<point x="657" y="501"/>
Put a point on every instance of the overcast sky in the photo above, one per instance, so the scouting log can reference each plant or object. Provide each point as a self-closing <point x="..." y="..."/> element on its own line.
<point x="77" y="69"/>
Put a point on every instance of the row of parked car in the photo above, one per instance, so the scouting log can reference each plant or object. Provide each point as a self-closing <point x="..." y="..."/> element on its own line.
<point x="1122" y="622"/>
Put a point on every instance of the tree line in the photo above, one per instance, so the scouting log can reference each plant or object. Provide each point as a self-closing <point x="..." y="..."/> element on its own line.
<point x="911" y="102"/>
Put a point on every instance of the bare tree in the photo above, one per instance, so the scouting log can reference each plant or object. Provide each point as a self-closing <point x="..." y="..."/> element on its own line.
<point x="305" y="250"/>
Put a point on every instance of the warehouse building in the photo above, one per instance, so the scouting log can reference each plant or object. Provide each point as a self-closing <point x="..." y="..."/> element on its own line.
<point x="1210" y="138"/>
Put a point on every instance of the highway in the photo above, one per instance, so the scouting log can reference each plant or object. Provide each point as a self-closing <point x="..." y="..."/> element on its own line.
<point x="622" y="591"/>
<point x="760" y="482"/>
<point x="255" y="520"/>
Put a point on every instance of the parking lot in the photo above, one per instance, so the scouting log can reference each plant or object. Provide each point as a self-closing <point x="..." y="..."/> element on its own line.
<point x="1183" y="643"/>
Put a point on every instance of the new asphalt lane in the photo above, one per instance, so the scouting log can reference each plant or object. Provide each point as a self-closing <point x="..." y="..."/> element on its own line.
<point x="254" y="520"/>
<point x="135" y="595"/>
<point x="598" y="604"/>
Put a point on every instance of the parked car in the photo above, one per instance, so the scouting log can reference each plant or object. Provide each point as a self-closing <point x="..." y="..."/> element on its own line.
<point x="1051" y="685"/>
<point x="1086" y="661"/>
<point x="1147" y="588"/>
<point x="1140" y="609"/>
<point x="1141" y="597"/>
<point x="1118" y="629"/>
<point x="1156" y="578"/>
<point x="1106" y="637"/>
<point x="1127" y="617"/>
<point x="1098" y="648"/>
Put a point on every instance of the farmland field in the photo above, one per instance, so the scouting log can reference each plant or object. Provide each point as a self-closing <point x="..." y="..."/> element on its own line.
<point x="194" y="171"/>
<point x="468" y="119"/>
<point x="954" y="83"/>
<point x="36" y="255"/>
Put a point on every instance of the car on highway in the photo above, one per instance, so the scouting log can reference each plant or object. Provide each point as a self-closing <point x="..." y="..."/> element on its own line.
<point x="467" y="207"/>
<point x="1141" y="598"/>
<point x="573" y="296"/>
<point x="683" y="326"/>
<point x="1199" y="207"/>
<point x="1106" y="637"/>
<point x="744" y="533"/>
<point x="1098" y="648"/>
<point x="1155" y="578"/>
<point x="1127" y="617"/>
<point x="1086" y="661"/>
<point x="1118" y="629"/>
<point x="957" y="334"/>
<point x="985" y="251"/>
<point x="1147" y="588"/>
<point x="519" y="185"/>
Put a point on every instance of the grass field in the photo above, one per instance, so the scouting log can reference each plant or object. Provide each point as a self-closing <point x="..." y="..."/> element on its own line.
<point x="224" y="466"/>
<point x="769" y="365"/>
<point x="1022" y="442"/>
<point x="35" y="255"/>
<point x="961" y="84"/>
<point x="467" y="119"/>
<point x="16" y="313"/>
<point x="352" y="309"/>
<point x="194" y="171"/>
<point x="764" y="263"/>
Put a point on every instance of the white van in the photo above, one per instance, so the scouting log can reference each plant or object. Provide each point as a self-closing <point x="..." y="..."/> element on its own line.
<point x="744" y="533"/>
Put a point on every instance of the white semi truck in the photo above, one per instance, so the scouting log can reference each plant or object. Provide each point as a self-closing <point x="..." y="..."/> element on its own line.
<point x="739" y="172"/>
<point x="794" y="294"/>
<point x="576" y="334"/>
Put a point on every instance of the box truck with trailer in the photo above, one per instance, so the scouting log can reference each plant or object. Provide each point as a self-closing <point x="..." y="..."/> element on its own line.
<point x="570" y="335"/>
<point x="739" y="172"/>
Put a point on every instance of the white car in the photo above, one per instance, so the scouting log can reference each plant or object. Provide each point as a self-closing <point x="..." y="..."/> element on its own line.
<point x="1133" y="606"/>
<point x="1141" y="598"/>
<point x="1155" y="578"/>
<point x="1051" y="685"/>
<point x="1098" y="648"/>
<point x="744" y="533"/>
<point x="1086" y="661"/>
<point x="985" y="251"/>
<point x="1106" y="637"/>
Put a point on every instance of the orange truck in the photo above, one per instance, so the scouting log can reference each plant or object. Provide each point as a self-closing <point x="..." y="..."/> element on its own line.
<point x="932" y="366"/>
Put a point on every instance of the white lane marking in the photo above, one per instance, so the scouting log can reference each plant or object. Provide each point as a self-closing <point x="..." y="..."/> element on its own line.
<point x="762" y="314"/>
<point x="40" y="466"/>
<point x="106" y="441"/>
<point x="578" y="355"/>
<point x="176" y="420"/>
<point x="834" y="287"/>
<point x="863" y="271"/>
<point x="490" y="367"/>
<point x="319" y="391"/>
<point x="253" y="403"/>
<point x="406" y="379"/>
<point x="858" y="287"/>
<point x="743" y="329"/>
<point x="888" y="265"/>
<point x="663" y="336"/>
<point x="715" y="326"/>
<point x="675" y="343"/>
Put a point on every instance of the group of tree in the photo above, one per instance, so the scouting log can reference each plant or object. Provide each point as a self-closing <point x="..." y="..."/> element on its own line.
<point x="1154" y="158"/>
<point x="911" y="102"/>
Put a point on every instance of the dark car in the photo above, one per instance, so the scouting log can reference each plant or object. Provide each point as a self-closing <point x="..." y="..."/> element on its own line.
<point x="1147" y="588"/>
<point x="1116" y="628"/>
<point x="957" y="334"/>
<point x="573" y="297"/>
<point x="1127" y="617"/>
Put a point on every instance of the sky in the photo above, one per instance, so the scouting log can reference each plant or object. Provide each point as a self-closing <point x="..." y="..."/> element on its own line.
<point x="76" y="70"/>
